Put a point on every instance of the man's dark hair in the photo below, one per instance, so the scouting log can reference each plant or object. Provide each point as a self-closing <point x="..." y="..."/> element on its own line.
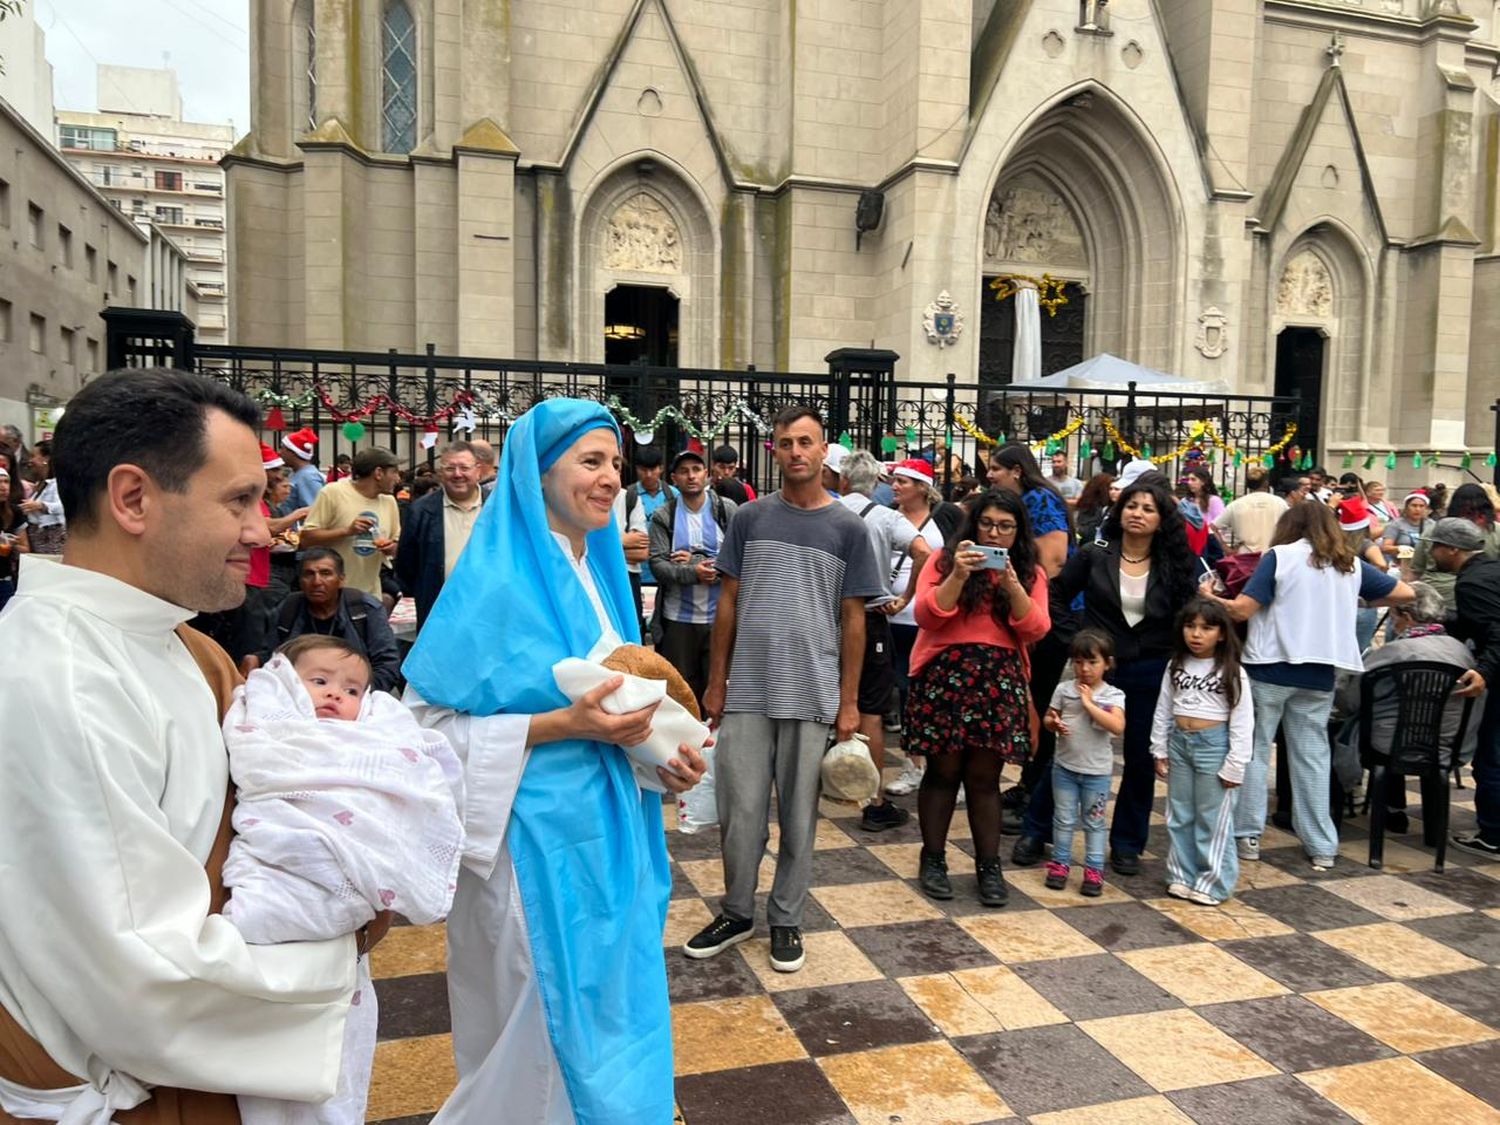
<point x="366" y="461"/>
<point x="648" y="457"/>
<point x="787" y="415"/>
<point x="726" y="455"/>
<point x="154" y="417"/>
<point x="1257" y="479"/>
<point x="342" y="459"/>
<point x="318" y="554"/>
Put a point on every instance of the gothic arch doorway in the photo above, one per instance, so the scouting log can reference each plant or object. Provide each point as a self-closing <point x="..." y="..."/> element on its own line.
<point x="640" y="326"/>
<point x="1301" y="359"/>
<point x="1083" y="197"/>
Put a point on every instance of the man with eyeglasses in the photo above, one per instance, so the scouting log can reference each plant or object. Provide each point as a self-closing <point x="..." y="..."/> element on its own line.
<point x="438" y="527"/>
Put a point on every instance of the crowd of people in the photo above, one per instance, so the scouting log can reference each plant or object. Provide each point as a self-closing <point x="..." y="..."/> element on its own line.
<point x="1089" y="638"/>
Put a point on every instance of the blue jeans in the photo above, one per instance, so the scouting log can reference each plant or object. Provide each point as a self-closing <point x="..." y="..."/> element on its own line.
<point x="1073" y="794"/>
<point x="1303" y="716"/>
<point x="1200" y="813"/>
<point x="1140" y="680"/>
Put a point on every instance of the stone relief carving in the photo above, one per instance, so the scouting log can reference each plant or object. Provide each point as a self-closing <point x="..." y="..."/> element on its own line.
<point x="643" y="238"/>
<point x="1305" y="288"/>
<point x="1213" y="332"/>
<point x="1028" y="222"/>
<point x="942" y="321"/>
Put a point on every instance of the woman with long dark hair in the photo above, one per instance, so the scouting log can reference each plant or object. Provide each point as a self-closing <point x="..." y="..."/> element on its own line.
<point x="969" y="711"/>
<point x="1134" y="586"/>
<point x="13" y="537"/>
<point x="1093" y="505"/>
<point x="1301" y="603"/>
<point x="1014" y="469"/>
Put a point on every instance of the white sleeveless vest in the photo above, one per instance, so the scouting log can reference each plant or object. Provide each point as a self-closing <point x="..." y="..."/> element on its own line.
<point x="1311" y="620"/>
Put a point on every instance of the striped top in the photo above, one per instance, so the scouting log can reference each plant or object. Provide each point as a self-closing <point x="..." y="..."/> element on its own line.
<point x="795" y="566"/>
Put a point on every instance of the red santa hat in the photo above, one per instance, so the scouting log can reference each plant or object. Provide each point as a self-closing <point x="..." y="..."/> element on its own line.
<point x="304" y="443"/>
<point x="269" y="458"/>
<point x="1353" y="514"/>
<point x="914" y="469"/>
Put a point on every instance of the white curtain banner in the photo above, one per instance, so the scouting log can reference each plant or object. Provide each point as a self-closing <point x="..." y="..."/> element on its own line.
<point x="1027" y="357"/>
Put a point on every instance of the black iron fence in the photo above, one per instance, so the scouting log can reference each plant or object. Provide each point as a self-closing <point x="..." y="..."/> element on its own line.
<point x="397" y="400"/>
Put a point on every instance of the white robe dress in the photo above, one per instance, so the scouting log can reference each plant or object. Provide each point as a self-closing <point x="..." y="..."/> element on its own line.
<point x="500" y="1039"/>
<point x="112" y="785"/>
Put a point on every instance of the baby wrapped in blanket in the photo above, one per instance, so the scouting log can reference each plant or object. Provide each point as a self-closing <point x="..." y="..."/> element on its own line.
<point x="345" y="807"/>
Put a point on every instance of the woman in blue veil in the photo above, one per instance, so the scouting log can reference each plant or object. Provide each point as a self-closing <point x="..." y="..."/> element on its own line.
<point x="556" y="976"/>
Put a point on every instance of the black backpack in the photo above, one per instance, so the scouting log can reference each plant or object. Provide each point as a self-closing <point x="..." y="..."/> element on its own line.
<point x="354" y="605"/>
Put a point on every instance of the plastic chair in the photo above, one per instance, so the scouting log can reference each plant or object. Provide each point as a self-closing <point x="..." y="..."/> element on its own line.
<point x="1422" y="689"/>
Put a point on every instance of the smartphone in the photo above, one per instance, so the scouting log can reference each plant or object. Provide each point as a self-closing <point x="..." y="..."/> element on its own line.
<point x="996" y="558"/>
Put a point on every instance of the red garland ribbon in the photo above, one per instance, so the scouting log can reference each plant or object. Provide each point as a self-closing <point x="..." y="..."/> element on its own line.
<point x="368" y="408"/>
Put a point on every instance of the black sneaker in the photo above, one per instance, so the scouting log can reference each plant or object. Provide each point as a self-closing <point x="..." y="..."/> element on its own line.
<point x="932" y="876"/>
<point x="1015" y="798"/>
<point x="1027" y="852"/>
<point x="786" y="949"/>
<point x="1477" y="844"/>
<point x="992" y="888"/>
<point x="1397" y="823"/>
<point x="878" y="818"/>
<point x="1012" y="823"/>
<point x="1125" y="864"/>
<point x="718" y="936"/>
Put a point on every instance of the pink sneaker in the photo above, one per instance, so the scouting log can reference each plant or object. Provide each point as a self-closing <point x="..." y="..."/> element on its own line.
<point x="1093" y="882"/>
<point x="1057" y="875"/>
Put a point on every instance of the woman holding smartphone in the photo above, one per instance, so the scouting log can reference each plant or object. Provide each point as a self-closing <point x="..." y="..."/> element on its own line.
<point x="978" y="605"/>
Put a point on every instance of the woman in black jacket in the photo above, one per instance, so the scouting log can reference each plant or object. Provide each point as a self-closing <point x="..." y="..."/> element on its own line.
<point x="1133" y="588"/>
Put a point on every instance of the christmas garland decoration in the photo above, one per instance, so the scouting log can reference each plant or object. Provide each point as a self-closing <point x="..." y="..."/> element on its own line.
<point x="1201" y="431"/>
<point x="645" y="428"/>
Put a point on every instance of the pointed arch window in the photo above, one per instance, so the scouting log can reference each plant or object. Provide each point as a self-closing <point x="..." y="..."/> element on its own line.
<point x="398" y="103"/>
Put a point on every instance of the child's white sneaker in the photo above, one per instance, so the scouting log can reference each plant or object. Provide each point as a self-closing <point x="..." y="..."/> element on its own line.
<point x="1179" y="890"/>
<point x="1202" y="898"/>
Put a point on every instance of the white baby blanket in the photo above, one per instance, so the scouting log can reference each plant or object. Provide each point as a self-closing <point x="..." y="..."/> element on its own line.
<point x="335" y="820"/>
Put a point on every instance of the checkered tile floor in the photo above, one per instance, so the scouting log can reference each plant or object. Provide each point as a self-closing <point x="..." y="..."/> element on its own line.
<point x="1353" y="995"/>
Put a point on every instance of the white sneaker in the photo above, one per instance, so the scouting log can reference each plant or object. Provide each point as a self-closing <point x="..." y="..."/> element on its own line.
<point x="1248" y="847"/>
<point x="911" y="777"/>
<point x="1179" y="890"/>
<point x="1322" y="862"/>
<point x="962" y="797"/>
<point x="1202" y="898"/>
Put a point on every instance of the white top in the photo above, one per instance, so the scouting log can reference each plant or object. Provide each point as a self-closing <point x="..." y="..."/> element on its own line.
<point x="901" y="575"/>
<point x="636" y="521"/>
<point x="1311" y="618"/>
<point x="1133" y="597"/>
<point x="1249" y="522"/>
<point x="889" y="532"/>
<point x="1195" y="690"/>
<point x="53" y="516"/>
<point x="115" y="776"/>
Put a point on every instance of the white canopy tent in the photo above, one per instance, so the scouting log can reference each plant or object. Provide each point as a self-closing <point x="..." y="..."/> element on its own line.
<point x="1105" y="372"/>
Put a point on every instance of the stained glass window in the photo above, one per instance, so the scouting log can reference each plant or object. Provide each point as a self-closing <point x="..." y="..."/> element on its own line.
<point x="398" y="107"/>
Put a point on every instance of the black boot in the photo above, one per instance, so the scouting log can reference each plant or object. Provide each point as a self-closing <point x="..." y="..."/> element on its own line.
<point x="933" y="876"/>
<point x="1027" y="852"/>
<point x="992" y="888"/>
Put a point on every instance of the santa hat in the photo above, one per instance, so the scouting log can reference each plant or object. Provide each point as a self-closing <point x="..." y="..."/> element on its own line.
<point x="1419" y="494"/>
<point x="1353" y="514"/>
<point x="304" y="443"/>
<point x="914" y="469"/>
<point x="269" y="458"/>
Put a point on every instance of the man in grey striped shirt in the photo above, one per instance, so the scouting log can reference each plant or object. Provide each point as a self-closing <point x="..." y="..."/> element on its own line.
<point x="788" y="644"/>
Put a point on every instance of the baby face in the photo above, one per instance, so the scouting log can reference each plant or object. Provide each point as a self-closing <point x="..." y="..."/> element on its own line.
<point x="336" y="681"/>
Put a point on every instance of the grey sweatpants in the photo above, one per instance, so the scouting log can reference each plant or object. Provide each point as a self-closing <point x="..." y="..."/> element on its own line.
<point x="752" y="752"/>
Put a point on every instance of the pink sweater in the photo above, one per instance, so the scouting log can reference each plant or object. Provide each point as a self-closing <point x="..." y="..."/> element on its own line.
<point x="939" y="628"/>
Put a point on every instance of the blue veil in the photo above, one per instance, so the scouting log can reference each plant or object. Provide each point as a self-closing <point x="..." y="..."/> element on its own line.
<point x="586" y="843"/>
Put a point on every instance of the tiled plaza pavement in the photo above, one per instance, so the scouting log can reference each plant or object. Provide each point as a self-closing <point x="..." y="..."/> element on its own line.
<point x="1353" y="995"/>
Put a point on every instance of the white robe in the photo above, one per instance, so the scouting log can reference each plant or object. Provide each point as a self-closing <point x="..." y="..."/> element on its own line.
<point x="500" y="1041"/>
<point x="112" y="784"/>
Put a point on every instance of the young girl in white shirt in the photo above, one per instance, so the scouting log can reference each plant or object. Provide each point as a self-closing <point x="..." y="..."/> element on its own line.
<point x="1201" y="738"/>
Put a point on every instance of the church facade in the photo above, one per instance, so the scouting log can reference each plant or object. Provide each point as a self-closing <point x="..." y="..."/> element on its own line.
<point x="1290" y="196"/>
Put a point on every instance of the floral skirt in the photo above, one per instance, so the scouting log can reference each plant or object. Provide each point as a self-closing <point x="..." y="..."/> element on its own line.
<point x="970" y="697"/>
<point x="47" y="540"/>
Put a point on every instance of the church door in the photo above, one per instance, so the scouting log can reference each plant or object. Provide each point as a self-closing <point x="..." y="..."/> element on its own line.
<point x="1299" y="373"/>
<point x="1062" y="336"/>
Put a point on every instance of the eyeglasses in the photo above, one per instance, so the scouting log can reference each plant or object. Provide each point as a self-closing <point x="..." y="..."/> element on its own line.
<point x="997" y="528"/>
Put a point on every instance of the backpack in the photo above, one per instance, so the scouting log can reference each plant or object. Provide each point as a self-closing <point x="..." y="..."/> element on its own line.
<point x="354" y="605"/>
<point x="715" y="502"/>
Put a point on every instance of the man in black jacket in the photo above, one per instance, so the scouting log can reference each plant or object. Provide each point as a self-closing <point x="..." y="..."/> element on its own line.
<point x="438" y="527"/>
<point x="327" y="607"/>
<point x="1457" y="547"/>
